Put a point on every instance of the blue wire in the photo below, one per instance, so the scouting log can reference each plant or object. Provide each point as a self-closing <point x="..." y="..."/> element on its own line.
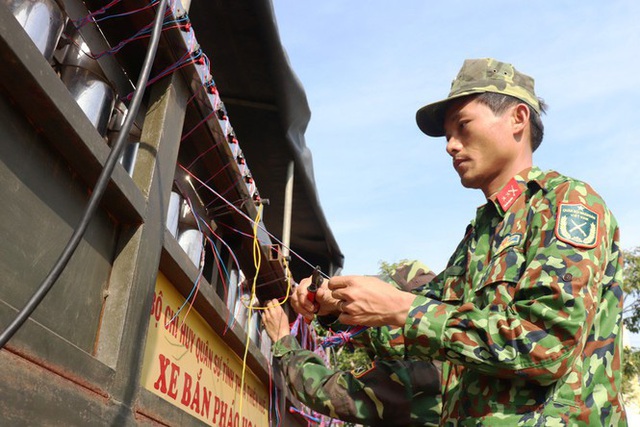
<point x="228" y="276"/>
<point x="195" y="284"/>
<point x="118" y="15"/>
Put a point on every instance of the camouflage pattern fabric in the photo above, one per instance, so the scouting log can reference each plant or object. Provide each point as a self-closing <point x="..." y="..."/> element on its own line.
<point x="410" y="275"/>
<point x="527" y="315"/>
<point x="478" y="76"/>
<point x="396" y="391"/>
<point x="389" y="393"/>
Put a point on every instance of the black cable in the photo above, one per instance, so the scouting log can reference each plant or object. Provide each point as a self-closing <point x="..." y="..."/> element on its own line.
<point x="100" y="187"/>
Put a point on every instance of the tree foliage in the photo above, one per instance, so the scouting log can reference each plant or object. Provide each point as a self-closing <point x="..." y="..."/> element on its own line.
<point x="631" y="312"/>
<point x="349" y="359"/>
<point x="630" y="370"/>
<point x="631" y="288"/>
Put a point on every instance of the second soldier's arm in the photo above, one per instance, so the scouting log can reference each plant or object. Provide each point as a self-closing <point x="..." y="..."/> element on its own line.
<point x="389" y="393"/>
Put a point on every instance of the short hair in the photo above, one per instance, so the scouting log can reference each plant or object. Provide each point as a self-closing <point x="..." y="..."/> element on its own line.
<point x="498" y="103"/>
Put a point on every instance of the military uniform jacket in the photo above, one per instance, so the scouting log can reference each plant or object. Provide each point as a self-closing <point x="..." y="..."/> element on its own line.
<point x="527" y="314"/>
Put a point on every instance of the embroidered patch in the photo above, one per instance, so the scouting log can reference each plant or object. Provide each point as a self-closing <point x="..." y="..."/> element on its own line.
<point x="510" y="240"/>
<point x="509" y="194"/>
<point x="577" y="225"/>
<point x="363" y="370"/>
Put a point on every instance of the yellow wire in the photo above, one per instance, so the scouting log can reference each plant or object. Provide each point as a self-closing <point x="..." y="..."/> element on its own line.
<point x="287" y="271"/>
<point x="257" y="260"/>
<point x="286" y="296"/>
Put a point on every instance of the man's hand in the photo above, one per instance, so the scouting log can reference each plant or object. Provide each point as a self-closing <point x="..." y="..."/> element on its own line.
<point x="325" y="303"/>
<point x="368" y="301"/>
<point x="275" y="321"/>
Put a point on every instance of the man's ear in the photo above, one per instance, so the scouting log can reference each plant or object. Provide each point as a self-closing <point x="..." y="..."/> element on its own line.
<point x="520" y="118"/>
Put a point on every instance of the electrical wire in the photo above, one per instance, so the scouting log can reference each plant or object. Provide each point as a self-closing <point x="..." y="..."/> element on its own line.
<point x="308" y="417"/>
<point x="214" y="175"/>
<point x="191" y="57"/>
<point x="186" y="135"/>
<point x="342" y="337"/>
<point x="79" y="23"/>
<point x="225" y="287"/>
<point x="257" y="260"/>
<point x="91" y="16"/>
<point x="231" y="319"/>
<point x="236" y="209"/>
<point x="196" y="285"/>
<point x="98" y="190"/>
<point x="118" y="15"/>
<point x="142" y="33"/>
<point x="271" y="388"/>
<point x="276" y="406"/>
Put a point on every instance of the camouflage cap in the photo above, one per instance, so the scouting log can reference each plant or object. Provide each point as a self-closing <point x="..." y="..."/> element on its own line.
<point x="478" y="76"/>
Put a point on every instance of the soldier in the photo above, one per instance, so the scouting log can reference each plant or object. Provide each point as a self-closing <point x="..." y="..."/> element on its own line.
<point x="391" y="391"/>
<point x="527" y="314"/>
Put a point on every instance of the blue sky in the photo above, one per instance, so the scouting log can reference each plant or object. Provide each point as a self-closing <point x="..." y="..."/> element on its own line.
<point x="388" y="191"/>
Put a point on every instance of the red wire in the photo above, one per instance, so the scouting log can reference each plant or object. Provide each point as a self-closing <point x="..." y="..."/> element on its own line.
<point x="214" y="175"/>
<point x="198" y="125"/>
<point x="202" y="154"/>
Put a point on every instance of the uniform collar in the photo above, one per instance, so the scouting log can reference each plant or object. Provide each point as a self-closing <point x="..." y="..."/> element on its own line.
<point x="506" y="197"/>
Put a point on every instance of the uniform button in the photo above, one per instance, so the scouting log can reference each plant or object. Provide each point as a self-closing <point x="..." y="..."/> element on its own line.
<point x="567" y="277"/>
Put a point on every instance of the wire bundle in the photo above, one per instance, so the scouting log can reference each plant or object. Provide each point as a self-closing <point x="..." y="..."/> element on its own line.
<point x="142" y="33"/>
<point x="342" y="337"/>
<point x="245" y="216"/>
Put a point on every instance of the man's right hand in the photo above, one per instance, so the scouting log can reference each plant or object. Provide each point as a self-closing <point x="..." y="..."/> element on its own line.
<point x="324" y="305"/>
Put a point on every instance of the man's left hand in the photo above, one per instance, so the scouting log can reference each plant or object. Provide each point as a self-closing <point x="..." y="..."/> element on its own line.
<point x="369" y="301"/>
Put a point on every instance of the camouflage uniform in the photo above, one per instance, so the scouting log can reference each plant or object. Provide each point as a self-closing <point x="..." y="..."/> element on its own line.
<point x="393" y="391"/>
<point x="527" y="314"/>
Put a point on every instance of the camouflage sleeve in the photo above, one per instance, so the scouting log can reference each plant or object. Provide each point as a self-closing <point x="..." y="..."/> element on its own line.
<point x="388" y="393"/>
<point x="530" y="315"/>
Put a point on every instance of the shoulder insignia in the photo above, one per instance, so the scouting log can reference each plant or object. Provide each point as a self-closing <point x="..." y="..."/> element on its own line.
<point x="509" y="193"/>
<point x="577" y="225"/>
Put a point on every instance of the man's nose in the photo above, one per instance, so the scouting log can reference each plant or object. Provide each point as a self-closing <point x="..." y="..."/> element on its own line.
<point x="453" y="145"/>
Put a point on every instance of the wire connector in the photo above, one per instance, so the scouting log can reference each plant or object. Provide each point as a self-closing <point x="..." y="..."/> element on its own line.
<point x="316" y="282"/>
